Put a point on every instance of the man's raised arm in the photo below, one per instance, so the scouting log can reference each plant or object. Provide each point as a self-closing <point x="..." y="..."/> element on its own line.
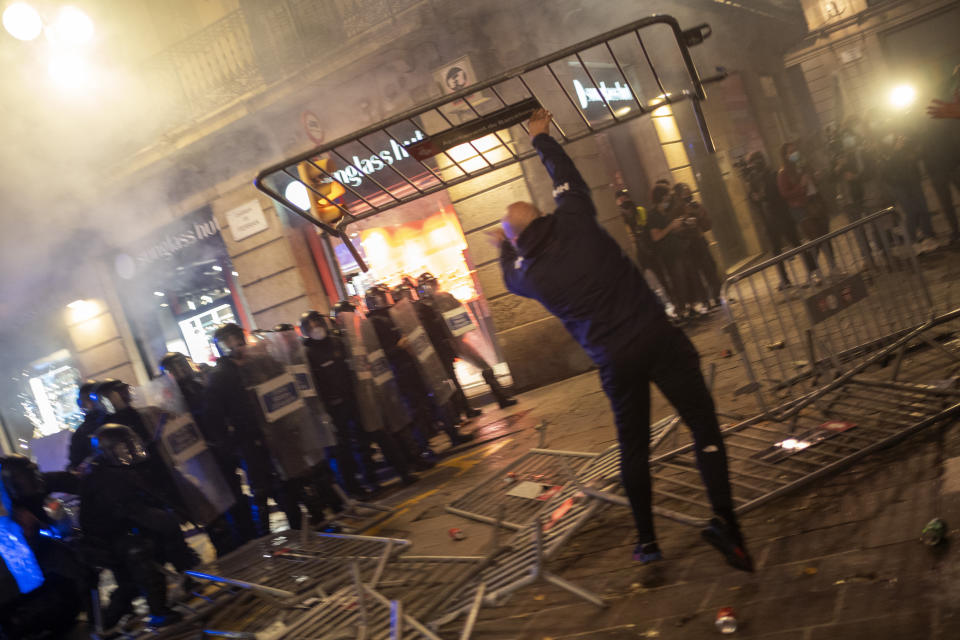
<point x="570" y="191"/>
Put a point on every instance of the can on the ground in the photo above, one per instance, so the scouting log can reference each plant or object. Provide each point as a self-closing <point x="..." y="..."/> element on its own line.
<point x="726" y="620"/>
<point x="934" y="532"/>
<point x="457" y="534"/>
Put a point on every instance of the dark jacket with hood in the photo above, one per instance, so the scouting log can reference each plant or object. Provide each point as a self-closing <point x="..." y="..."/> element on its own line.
<point x="574" y="268"/>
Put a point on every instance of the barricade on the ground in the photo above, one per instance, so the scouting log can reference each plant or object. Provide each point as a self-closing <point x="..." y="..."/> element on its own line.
<point x="357" y="611"/>
<point x="514" y="496"/>
<point x="294" y="563"/>
<point x="520" y="562"/>
<point x="786" y="448"/>
<point x="793" y="323"/>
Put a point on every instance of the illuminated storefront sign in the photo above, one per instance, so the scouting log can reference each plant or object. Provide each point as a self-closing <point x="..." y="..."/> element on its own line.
<point x="588" y="95"/>
<point x="361" y="166"/>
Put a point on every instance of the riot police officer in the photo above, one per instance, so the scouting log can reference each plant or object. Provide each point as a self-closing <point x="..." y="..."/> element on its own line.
<point x="427" y="410"/>
<point x="329" y="358"/>
<point x="49" y="609"/>
<point x="231" y="400"/>
<point x="433" y="304"/>
<point x="235" y="527"/>
<point x="93" y="415"/>
<point x="120" y="509"/>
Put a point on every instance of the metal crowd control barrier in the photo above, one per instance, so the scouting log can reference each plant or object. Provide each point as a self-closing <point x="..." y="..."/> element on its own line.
<point x="491" y="501"/>
<point x="520" y="563"/>
<point x="289" y="565"/>
<point x="871" y="293"/>
<point x="358" y="612"/>
<point x="645" y="64"/>
<point x="803" y="440"/>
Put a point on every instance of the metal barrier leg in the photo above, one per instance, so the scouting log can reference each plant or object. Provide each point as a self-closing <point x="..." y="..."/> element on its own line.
<point x="361" y="601"/>
<point x="396" y="620"/>
<point x="576" y="590"/>
<point x="474" y="611"/>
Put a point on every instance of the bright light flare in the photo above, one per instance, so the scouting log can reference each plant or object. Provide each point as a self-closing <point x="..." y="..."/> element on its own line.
<point x="73" y="26"/>
<point x="22" y="21"/>
<point x="792" y="444"/>
<point x="69" y="71"/>
<point x="902" y="96"/>
<point x="82" y="310"/>
<point x="296" y="192"/>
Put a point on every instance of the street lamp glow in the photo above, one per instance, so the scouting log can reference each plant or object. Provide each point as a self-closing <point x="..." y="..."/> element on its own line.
<point x="902" y="96"/>
<point x="73" y="26"/>
<point x="68" y="71"/>
<point x="22" y="21"/>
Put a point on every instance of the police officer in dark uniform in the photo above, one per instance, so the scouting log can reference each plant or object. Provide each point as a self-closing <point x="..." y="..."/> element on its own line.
<point x="329" y="357"/>
<point x="50" y="610"/>
<point x="120" y="509"/>
<point x="93" y="415"/>
<point x="231" y="408"/>
<point x="413" y="388"/>
<point x="235" y="527"/>
<point x="571" y="265"/>
<point x="449" y="348"/>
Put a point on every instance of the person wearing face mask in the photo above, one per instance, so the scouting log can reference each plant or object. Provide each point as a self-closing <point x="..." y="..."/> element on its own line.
<point x="779" y="224"/>
<point x="696" y="221"/>
<point x="804" y="202"/>
<point x="901" y="172"/>
<point x="636" y="220"/>
<point x="673" y="245"/>
<point x="233" y="406"/>
<point x="328" y="355"/>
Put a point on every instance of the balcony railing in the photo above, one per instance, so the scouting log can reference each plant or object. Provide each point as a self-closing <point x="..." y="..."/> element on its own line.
<point x="247" y="50"/>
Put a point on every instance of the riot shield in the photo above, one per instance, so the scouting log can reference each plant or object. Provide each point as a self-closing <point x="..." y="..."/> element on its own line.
<point x="192" y="466"/>
<point x="405" y="318"/>
<point x="460" y="327"/>
<point x="286" y="348"/>
<point x="352" y="326"/>
<point x="16" y="554"/>
<point x="284" y="418"/>
<point x="394" y="411"/>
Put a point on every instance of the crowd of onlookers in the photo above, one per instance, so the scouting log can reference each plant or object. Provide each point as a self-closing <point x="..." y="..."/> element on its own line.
<point x="850" y="171"/>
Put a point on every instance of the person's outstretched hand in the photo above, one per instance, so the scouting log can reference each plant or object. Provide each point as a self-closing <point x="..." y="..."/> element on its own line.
<point x="539" y="122"/>
<point x="495" y="235"/>
<point x="941" y="109"/>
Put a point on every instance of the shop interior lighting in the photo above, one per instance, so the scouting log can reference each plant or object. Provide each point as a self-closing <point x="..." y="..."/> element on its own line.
<point x="217" y="267"/>
<point x="235" y="274"/>
<point x="164" y="305"/>
<point x="622" y="111"/>
<point x="159" y="294"/>
<point x="22" y="21"/>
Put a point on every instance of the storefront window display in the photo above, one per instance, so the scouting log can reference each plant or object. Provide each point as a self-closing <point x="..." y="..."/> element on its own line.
<point x="423" y="236"/>
<point x="176" y="286"/>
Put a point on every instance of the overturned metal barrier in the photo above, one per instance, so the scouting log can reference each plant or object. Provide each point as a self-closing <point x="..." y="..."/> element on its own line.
<point x="802" y="441"/>
<point x="851" y="293"/>
<point x="521" y="561"/>
<point x="289" y="565"/>
<point x="500" y="498"/>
